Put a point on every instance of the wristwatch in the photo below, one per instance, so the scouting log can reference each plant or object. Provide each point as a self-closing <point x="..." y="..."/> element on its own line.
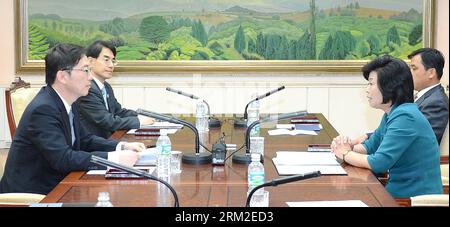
<point x="344" y="154"/>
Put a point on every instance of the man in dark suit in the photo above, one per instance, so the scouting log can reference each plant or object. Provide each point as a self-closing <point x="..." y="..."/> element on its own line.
<point x="100" y="113"/>
<point x="50" y="142"/>
<point x="427" y="65"/>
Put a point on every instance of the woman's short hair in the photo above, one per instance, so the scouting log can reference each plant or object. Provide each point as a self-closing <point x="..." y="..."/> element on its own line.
<point x="394" y="79"/>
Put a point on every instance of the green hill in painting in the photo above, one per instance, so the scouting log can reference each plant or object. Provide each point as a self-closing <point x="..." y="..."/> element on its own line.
<point x="212" y="35"/>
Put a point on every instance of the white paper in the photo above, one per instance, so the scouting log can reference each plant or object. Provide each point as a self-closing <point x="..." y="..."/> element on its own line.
<point x="149" y="151"/>
<point x="96" y="172"/>
<point x="292" y="126"/>
<point x="169" y="131"/>
<point x="305" y="158"/>
<point x="342" y="203"/>
<point x="324" y="170"/>
<point x="150" y="170"/>
<point x="277" y="132"/>
<point x="292" y="162"/>
<point x="162" y="124"/>
<point x="285" y="126"/>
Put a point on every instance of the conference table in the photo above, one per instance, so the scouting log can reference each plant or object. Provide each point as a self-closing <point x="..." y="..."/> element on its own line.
<point x="207" y="185"/>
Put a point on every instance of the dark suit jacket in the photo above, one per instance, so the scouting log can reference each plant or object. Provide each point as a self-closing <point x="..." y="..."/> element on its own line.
<point x="100" y="121"/>
<point x="434" y="105"/>
<point x="41" y="153"/>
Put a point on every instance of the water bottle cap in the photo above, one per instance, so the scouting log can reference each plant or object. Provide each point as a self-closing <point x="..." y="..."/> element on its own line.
<point x="163" y="132"/>
<point x="103" y="195"/>
<point x="201" y="108"/>
<point x="256" y="157"/>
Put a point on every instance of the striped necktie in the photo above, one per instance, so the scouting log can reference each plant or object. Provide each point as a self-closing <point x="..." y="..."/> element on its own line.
<point x="72" y="130"/>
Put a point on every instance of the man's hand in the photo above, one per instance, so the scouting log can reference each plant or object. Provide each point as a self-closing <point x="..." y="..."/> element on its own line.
<point x="143" y="120"/>
<point x="134" y="146"/>
<point x="125" y="157"/>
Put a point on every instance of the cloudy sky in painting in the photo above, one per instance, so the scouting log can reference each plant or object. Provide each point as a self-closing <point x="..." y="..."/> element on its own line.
<point x="108" y="9"/>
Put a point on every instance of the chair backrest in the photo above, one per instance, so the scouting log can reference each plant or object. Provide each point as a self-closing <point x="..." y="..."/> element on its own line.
<point x="437" y="200"/>
<point x="445" y="143"/>
<point x="19" y="199"/>
<point x="444" y="178"/>
<point x="18" y="96"/>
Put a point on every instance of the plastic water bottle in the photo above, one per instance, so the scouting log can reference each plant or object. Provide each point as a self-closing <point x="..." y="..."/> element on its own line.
<point x="255" y="175"/>
<point x="164" y="147"/>
<point x="201" y="117"/>
<point x="103" y="200"/>
<point x="252" y="116"/>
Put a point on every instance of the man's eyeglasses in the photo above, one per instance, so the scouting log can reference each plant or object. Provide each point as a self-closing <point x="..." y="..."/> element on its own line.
<point x="109" y="61"/>
<point x="85" y="69"/>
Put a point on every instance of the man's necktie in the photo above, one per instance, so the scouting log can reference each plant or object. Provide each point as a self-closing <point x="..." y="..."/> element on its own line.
<point x="72" y="130"/>
<point x="105" y="97"/>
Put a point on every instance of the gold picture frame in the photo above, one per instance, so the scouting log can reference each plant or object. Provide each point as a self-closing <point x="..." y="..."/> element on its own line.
<point x="25" y="65"/>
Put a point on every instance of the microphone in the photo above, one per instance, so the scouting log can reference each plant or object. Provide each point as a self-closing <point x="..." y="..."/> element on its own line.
<point x="283" y="180"/>
<point x="213" y="123"/>
<point x="104" y="162"/>
<point x="193" y="158"/>
<point x="243" y="122"/>
<point x="245" y="158"/>
<point x="181" y="93"/>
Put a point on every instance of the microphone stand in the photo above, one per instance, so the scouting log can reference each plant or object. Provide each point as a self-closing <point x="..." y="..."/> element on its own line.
<point x="104" y="162"/>
<point x="279" y="181"/>
<point x="246" y="158"/>
<point x="242" y="123"/>
<point x="213" y="123"/>
<point x="192" y="158"/>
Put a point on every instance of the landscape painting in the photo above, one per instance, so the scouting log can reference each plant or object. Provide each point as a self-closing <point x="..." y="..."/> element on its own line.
<point x="212" y="31"/>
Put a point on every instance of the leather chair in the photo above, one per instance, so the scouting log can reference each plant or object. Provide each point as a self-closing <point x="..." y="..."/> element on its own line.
<point x="430" y="200"/>
<point x="19" y="199"/>
<point x="18" y="96"/>
<point x="444" y="160"/>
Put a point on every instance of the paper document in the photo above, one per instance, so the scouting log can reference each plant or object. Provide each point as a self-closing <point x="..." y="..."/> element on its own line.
<point x="342" y="203"/>
<point x="304" y="158"/>
<point x="133" y="132"/>
<point x="162" y="125"/>
<point x="147" y="160"/>
<point x="148" y="157"/>
<point x="96" y="172"/>
<point x="291" y="163"/>
<point x="306" y="127"/>
<point x="150" y="170"/>
<point x="324" y="170"/>
<point x="277" y="132"/>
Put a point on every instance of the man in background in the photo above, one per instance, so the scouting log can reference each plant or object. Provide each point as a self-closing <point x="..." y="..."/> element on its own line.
<point x="100" y="112"/>
<point x="427" y="67"/>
